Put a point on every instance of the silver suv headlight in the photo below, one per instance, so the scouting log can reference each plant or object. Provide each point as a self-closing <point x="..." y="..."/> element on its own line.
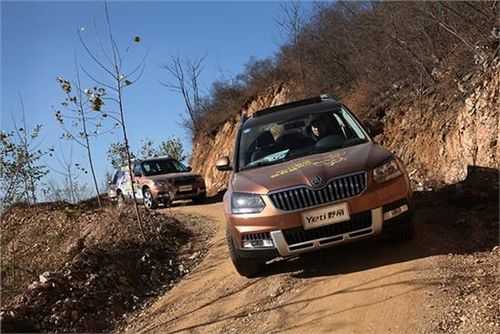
<point x="386" y="172"/>
<point x="246" y="203"/>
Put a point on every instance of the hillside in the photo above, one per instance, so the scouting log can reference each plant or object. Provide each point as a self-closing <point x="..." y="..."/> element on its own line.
<point x="438" y="131"/>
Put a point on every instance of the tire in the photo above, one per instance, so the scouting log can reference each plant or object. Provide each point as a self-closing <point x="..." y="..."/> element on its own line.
<point x="120" y="199"/>
<point x="149" y="201"/>
<point x="248" y="267"/>
<point x="200" y="199"/>
<point x="406" y="231"/>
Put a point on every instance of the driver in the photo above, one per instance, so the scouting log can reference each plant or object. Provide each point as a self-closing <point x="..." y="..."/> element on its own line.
<point x="325" y="126"/>
<point x="319" y="129"/>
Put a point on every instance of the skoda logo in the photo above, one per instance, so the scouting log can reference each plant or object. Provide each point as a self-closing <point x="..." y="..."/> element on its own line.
<point x="317" y="181"/>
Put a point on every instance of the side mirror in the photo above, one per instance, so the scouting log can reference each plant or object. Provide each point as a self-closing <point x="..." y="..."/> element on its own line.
<point x="188" y="168"/>
<point x="223" y="164"/>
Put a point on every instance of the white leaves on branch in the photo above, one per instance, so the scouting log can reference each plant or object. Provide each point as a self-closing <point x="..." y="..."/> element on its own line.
<point x="95" y="96"/>
<point x="59" y="116"/>
<point x="65" y="84"/>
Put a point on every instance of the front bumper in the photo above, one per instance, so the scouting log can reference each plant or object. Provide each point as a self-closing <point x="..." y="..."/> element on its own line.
<point x="166" y="194"/>
<point x="286" y="249"/>
<point x="370" y="214"/>
<point x="187" y="195"/>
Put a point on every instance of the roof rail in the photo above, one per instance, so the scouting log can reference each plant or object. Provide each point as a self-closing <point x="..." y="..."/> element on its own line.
<point x="311" y="100"/>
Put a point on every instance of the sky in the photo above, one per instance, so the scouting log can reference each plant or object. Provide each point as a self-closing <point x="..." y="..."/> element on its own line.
<point x="39" y="43"/>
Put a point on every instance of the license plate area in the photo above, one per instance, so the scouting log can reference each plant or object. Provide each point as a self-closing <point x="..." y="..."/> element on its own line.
<point x="325" y="216"/>
<point x="185" y="188"/>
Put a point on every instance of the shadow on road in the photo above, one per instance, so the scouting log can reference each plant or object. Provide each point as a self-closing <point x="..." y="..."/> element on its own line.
<point x="209" y="200"/>
<point x="460" y="218"/>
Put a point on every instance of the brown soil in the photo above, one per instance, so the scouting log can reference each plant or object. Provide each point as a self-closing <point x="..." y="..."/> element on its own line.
<point x="443" y="281"/>
<point x="75" y="268"/>
<point x="376" y="286"/>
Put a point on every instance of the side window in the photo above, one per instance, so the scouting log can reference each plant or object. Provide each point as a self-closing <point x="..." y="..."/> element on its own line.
<point x="147" y="167"/>
<point x="116" y="176"/>
<point x="353" y="125"/>
<point x="137" y="169"/>
<point x="342" y="125"/>
<point x="120" y="177"/>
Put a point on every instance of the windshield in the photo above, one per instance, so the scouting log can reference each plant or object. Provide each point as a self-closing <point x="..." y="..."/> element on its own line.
<point x="162" y="166"/>
<point x="279" y="141"/>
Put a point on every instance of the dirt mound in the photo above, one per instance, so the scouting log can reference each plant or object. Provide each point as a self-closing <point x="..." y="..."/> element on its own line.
<point x="73" y="268"/>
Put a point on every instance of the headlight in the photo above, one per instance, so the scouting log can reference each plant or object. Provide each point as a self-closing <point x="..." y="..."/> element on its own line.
<point x="246" y="203"/>
<point x="386" y="172"/>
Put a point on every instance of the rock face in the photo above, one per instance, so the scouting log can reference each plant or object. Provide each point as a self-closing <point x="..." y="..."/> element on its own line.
<point x="437" y="132"/>
<point x="441" y="133"/>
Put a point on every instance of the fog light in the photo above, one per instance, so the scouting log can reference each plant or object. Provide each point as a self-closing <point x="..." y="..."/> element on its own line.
<point x="395" y="212"/>
<point x="259" y="243"/>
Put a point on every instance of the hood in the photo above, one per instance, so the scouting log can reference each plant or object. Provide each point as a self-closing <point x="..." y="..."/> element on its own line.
<point x="171" y="176"/>
<point x="299" y="171"/>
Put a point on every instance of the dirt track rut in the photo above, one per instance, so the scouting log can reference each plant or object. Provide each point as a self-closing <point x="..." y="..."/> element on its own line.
<point x="374" y="286"/>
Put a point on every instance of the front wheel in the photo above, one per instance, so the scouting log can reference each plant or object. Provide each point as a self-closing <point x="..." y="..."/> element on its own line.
<point x="406" y="231"/>
<point x="200" y="199"/>
<point x="149" y="201"/>
<point x="120" y="199"/>
<point x="248" y="267"/>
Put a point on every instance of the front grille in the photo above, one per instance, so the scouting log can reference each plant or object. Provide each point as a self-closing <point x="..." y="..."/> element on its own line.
<point x="299" y="234"/>
<point x="184" y="180"/>
<point x="256" y="236"/>
<point x="304" y="197"/>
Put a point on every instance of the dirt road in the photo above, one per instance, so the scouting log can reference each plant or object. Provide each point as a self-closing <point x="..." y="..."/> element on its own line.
<point x="376" y="286"/>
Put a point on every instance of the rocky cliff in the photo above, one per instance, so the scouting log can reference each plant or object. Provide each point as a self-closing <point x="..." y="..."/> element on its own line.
<point x="438" y="131"/>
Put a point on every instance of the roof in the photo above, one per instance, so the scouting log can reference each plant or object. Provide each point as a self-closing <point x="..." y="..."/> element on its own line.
<point x="291" y="110"/>
<point x="162" y="157"/>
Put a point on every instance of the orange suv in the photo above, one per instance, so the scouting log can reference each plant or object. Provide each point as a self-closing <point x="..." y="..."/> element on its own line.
<point x="307" y="175"/>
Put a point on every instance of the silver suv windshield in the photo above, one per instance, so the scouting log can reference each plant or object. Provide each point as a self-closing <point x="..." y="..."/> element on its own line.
<point x="274" y="142"/>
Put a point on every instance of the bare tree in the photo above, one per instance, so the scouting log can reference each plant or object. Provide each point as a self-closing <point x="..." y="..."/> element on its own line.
<point x="172" y="147"/>
<point x="292" y="23"/>
<point x="80" y="109"/>
<point x="20" y="166"/>
<point x="115" y="81"/>
<point x="24" y="140"/>
<point x="71" y="189"/>
<point x="185" y="80"/>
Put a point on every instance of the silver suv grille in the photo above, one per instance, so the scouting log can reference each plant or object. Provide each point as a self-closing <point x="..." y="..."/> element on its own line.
<point x="304" y="197"/>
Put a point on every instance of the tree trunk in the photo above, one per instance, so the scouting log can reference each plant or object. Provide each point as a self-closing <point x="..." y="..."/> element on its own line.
<point x="129" y="160"/>
<point x="87" y="141"/>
